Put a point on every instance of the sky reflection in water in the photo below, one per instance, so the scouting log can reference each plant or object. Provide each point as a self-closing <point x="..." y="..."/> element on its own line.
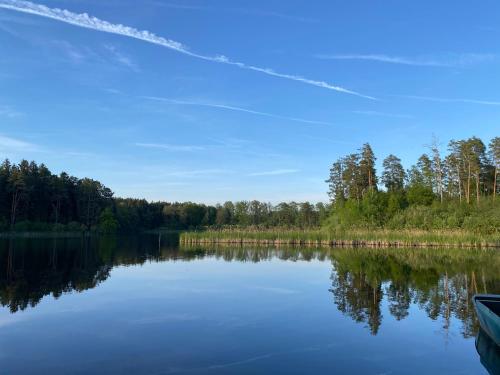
<point x="132" y="305"/>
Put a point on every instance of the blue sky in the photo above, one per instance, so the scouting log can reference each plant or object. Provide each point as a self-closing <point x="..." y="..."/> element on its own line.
<point x="229" y="100"/>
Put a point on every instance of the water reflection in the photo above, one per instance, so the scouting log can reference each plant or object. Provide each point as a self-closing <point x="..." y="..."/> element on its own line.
<point x="440" y="282"/>
<point x="382" y="289"/>
<point x="489" y="352"/>
<point x="33" y="268"/>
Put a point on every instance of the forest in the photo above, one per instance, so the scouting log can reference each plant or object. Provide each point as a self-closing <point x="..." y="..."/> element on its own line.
<point x="452" y="191"/>
<point x="32" y="198"/>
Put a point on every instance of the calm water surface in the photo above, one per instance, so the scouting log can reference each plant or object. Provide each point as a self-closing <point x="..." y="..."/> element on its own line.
<point x="144" y="306"/>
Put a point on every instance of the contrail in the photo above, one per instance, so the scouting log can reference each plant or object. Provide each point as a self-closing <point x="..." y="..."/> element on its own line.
<point x="450" y="100"/>
<point x="89" y="22"/>
<point x="236" y="109"/>
<point x="446" y="61"/>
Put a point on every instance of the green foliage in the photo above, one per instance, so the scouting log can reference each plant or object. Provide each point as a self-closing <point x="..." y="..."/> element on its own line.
<point x="4" y="225"/>
<point x="421" y="195"/>
<point x="373" y="207"/>
<point x="394" y="174"/>
<point x="107" y="222"/>
<point x="74" y="226"/>
<point x="34" y="199"/>
<point x="482" y="218"/>
<point x="455" y="192"/>
<point x="343" y="237"/>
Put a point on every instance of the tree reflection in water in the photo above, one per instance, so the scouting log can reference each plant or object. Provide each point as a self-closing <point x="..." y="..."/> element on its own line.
<point x="440" y="282"/>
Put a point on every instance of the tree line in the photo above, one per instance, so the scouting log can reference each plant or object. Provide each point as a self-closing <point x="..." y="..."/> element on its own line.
<point x="30" y="193"/>
<point x="32" y="198"/>
<point x="451" y="187"/>
<point x="456" y="190"/>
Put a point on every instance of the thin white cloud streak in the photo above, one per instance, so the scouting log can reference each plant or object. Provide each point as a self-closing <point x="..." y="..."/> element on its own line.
<point x="329" y="140"/>
<point x="168" y="147"/>
<point x="458" y="60"/>
<point x="275" y="172"/>
<point x="113" y="91"/>
<point x="237" y="109"/>
<point x="73" y="53"/>
<point x="9" y="112"/>
<point x="198" y="172"/>
<point x="382" y="114"/>
<point x="450" y="100"/>
<point x="121" y="58"/>
<point x="12" y="144"/>
<point x="88" y="22"/>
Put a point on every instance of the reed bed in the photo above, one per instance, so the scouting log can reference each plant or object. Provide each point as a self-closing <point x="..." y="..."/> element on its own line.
<point x="348" y="238"/>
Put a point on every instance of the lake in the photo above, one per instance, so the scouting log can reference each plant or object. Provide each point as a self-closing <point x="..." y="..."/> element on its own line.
<point x="144" y="305"/>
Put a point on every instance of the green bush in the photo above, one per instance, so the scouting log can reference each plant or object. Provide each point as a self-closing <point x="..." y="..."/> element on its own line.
<point x="107" y="222"/>
<point x="419" y="195"/>
<point x="4" y="225"/>
<point x="74" y="226"/>
<point x="22" y="226"/>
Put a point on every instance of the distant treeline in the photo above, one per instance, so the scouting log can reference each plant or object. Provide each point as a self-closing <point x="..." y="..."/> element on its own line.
<point x="456" y="190"/>
<point x="32" y="198"/>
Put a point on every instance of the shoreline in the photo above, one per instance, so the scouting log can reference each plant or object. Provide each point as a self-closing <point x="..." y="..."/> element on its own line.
<point x="354" y="238"/>
<point x="337" y="243"/>
<point x="312" y="238"/>
<point x="42" y="234"/>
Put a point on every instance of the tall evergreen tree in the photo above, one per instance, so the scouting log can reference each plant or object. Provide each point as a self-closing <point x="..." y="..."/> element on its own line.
<point x="335" y="182"/>
<point x="367" y="168"/>
<point x="494" y="154"/>
<point x="394" y="174"/>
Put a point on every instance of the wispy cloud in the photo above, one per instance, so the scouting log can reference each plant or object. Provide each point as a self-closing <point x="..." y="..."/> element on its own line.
<point x="9" y="112"/>
<point x="113" y="91"/>
<point x="382" y="114"/>
<point x="237" y="109"/>
<point x="86" y="21"/>
<point x="450" y="100"/>
<point x="198" y="172"/>
<point x="107" y="55"/>
<point x="330" y="140"/>
<point x="452" y="60"/>
<point x="13" y="144"/>
<point x="74" y="54"/>
<point x="81" y="154"/>
<point x="275" y="172"/>
<point x="168" y="147"/>
<point x="121" y="58"/>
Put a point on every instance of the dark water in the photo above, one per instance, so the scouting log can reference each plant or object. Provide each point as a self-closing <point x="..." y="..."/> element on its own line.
<point x="140" y="306"/>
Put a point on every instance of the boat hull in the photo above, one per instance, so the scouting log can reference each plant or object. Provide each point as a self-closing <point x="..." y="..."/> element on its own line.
<point x="489" y="353"/>
<point x="488" y="312"/>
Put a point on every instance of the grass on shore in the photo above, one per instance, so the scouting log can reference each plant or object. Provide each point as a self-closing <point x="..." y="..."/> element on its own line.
<point x="353" y="237"/>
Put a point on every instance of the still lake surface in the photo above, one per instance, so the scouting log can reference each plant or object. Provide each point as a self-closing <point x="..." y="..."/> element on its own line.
<point x="145" y="305"/>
